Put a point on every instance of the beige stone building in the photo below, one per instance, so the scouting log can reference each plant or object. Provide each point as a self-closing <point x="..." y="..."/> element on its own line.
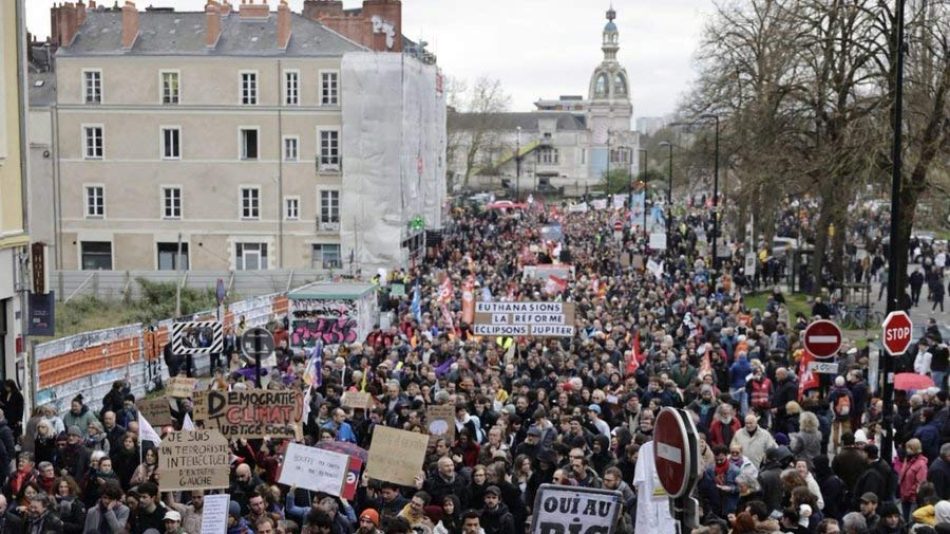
<point x="216" y="134"/>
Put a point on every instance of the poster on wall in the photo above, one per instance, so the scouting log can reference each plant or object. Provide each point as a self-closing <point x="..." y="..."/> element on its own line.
<point x="42" y="314"/>
<point x="333" y="321"/>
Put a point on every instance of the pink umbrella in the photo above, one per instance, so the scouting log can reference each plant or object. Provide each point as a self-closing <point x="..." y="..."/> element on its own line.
<point x="912" y="381"/>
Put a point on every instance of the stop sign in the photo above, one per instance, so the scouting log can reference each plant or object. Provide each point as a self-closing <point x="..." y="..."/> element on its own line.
<point x="822" y="338"/>
<point x="671" y="453"/>
<point x="897" y="332"/>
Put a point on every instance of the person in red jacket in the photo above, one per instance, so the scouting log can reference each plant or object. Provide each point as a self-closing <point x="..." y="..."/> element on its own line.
<point x="724" y="426"/>
<point x="913" y="473"/>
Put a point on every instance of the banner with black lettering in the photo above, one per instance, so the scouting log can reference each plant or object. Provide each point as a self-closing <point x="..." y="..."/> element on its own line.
<point x="572" y="510"/>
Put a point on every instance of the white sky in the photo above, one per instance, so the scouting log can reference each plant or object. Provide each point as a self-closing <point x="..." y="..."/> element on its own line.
<point x="537" y="48"/>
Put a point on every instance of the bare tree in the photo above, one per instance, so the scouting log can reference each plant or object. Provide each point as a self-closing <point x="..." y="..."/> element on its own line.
<point x="475" y="125"/>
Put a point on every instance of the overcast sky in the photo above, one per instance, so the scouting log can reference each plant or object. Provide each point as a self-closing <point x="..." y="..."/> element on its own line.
<point x="537" y="48"/>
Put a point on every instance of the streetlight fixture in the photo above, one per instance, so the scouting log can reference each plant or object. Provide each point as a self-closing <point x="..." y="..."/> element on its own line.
<point x="669" y="189"/>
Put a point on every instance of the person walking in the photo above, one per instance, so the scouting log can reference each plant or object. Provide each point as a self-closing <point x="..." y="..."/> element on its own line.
<point x="916" y="284"/>
<point x="936" y="294"/>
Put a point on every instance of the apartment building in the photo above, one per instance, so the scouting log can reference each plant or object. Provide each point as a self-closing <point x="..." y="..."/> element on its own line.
<point x="196" y="140"/>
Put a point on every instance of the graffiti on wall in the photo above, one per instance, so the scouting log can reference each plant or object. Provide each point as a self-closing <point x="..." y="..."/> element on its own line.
<point x="332" y="321"/>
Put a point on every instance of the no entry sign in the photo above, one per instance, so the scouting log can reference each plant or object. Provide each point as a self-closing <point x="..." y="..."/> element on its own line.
<point x="897" y="329"/>
<point x="822" y="338"/>
<point x="674" y="452"/>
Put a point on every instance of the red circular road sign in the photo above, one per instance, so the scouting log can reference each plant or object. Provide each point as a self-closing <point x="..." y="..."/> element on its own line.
<point x="897" y="332"/>
<point x="618" y="225"/>
<point x="822" y="338"/>
<point x="671" y="452"/>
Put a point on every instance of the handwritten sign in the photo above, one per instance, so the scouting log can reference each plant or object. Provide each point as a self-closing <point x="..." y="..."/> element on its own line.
<point x="214" y="514"/>
<point x="396" y="455"/>
<point x="357" y="400"/>
<point x="314" y="469"/>
<point x="251" y="413"/>
<point x="194" y="460"/>
<point x="156" y="411"/>
<point x="180" y="387"/>
<point x="440" y="420"/>
<point x="551" y="319"/>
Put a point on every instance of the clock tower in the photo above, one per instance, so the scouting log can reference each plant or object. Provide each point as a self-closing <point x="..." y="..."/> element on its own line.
<point x="610" y="108"/>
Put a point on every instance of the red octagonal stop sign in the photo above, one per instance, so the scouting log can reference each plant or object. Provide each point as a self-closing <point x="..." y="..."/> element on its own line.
<point x="897" y="332"/>
<point x="671" y="452"/>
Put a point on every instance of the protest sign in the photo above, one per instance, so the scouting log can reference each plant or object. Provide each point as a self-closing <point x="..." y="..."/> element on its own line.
<point x="358" y="400"/>
<point x="314" y="469"/>
<point x="637" y="262"/>
<point x="396" y="455"/>
<point x="214" y="514"/>
<point x="156" y="411"/>
<point x="352" y="478"/>
<point x="180" y="387"/>
<point x="440" y="420"/>
<point x="194" y="460"/>
<point x="251" y="413"/>
<point x="569" y="509"/>
<point x="657" y="241"/>
<point x="551" y="319"/>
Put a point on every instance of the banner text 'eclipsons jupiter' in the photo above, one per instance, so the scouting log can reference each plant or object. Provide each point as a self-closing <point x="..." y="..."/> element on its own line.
<point x="252" y="413"/>
<point x="551" y="319"/>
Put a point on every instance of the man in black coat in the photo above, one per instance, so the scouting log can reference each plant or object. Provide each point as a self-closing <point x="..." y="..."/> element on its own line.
<point x="916" y="283"/>
<point x="939" y="473"/>
<point x="8" y="521"/>
<point x="496" y="519"/>
<point x="878" y="478"/>
<point x="770" y="477"/>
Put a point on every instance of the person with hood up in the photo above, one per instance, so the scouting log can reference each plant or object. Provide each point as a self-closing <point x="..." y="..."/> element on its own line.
<point x="451" y="521"/>
<point x="891" y="521"/>
<point x="79" y="415"/>
<point x="496" y="519"/>
<point x="833" y="489"/>
<point x="236" y="523"/>
<point x="601" y="458"/>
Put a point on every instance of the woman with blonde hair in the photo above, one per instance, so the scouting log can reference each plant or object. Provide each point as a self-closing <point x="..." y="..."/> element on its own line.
<point x="913" y="473"/>
<point x="806" y="443"/>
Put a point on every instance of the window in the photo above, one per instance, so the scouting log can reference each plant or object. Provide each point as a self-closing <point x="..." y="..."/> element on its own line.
<point x="329" y="150"/>
<point x="291" y="145"/>
<point x="96" y="255"/>
<point x="170" y="89"/>
<point x="292" y="208"/>
<point x="291" y="87"/>
<point x="548" y="156"/>
<point x="250" y="256"/>
<point x="92" y="86"/>
<point x="248" y="143"/>
<point x="171" y="142"/>
<point x="95" y="201"/>
<point x="168" y="256"/>
<point x="92" y="142"/>
<point x="249" y="88"/>
<point x="250" y="203"/>
<point x="329" y="94"/>
<point x="329" y="206"/>
<point x="325" y="256"/>
<point x="171" y="203"/>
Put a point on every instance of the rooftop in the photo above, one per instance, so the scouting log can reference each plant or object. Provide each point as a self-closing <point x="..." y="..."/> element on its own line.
<point x="527" y="121"/>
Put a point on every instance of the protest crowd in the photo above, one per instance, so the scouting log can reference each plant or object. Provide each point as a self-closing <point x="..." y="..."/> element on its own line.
<point x="781" y="449"/>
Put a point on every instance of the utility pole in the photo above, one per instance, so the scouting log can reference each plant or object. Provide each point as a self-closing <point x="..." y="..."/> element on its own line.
<point x="518" y="166"/>
<point x="178" y="279"/>
<point x="669" y="193"/>
<point x="715" y="243"/>
<point x="897" y="255"/>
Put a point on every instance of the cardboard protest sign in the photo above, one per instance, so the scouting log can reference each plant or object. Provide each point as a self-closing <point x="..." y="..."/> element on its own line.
<point x="194" y="460"/>
<point x="251" y="413"/>
<point x="562" y="509"/>
<point x="156" y="411"/>
<point x="440" y="421"/>
<point x="214" y="514"/>
<point x="551" y="319"/>
<point x="180" y="387"/>
<point x="396" y="455"/>
<point x="314" y="469"/>
<point x="357" y="400"/>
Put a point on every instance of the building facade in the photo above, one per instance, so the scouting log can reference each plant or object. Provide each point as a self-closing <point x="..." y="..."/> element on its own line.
<point x="567" y="144"/>
<point x="206" y="141"/>
<point x="14" y="237"/>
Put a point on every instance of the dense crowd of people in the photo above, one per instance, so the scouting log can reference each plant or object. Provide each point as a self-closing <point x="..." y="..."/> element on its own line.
<point x="779" y="451"/>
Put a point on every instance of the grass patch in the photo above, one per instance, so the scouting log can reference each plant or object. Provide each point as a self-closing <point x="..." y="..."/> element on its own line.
<point x="796" y="302"/>
<point x="86" y="313"/>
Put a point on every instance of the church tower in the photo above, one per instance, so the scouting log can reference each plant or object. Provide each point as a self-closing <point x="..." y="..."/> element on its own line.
<point x="609" y="108"/>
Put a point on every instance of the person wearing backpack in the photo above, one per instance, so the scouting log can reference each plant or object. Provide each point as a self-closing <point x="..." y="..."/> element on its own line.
<point x="841" y="401"/>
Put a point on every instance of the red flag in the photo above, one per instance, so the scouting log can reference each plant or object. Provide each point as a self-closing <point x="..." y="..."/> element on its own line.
<point x="806" y="378"/>
<point x="634" y="356"/>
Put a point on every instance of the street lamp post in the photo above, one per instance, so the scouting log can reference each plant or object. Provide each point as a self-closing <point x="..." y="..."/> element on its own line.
<point x="644" y="175"/>
<point x="669" y="191"/>
<point x="715" y="251"/>
<point x="518" y="165"/>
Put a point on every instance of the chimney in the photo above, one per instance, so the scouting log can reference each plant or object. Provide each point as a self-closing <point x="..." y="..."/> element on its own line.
<point x="225" y="8"/>
<point x="317" y="9"/>
<point x="283" y="25"/>
<point x="130" y="25"/>
<point x="67" y="25"/>
<point x="80" y="13"/>
<point x="92" y="4"/>
<point x="212" y="23"/>
<point x="254" y="11"/>
<point x="385" y="18"/>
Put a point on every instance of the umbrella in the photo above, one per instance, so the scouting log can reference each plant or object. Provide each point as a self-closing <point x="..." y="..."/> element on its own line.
<point x="912" y="381"/>
<point x="504" y="205"/>
<point x="344" y="447"/>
